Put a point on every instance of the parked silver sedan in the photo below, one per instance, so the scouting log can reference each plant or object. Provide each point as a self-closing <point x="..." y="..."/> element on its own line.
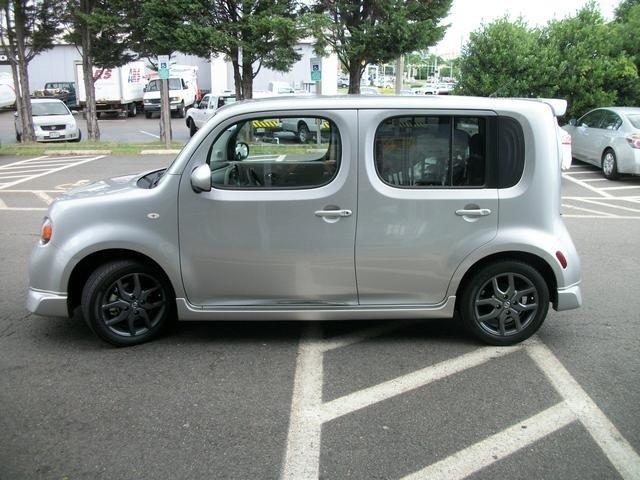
<point x="608" y="138"/>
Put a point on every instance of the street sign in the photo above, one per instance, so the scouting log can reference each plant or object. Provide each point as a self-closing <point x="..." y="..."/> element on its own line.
<point x="163" y="66"/>
<point x="316" y="69"/>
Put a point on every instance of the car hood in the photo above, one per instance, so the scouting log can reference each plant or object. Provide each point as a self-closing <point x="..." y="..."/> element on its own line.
<point x="109" y="186"/>
<point x="54" y="120"/>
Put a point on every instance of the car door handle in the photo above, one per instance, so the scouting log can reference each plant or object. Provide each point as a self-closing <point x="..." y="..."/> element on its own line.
<point x="333" y="213"/>
<point x="478" y="212"/>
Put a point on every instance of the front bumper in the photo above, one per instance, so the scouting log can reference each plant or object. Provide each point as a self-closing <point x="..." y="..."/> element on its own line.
<point x="569" y="298"/>
<point x="48" y="304"/>
<point x="62" y="135"/>
<point x="155" y="107"/>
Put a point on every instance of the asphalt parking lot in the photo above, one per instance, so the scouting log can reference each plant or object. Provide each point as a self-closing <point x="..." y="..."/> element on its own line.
<point x="112" y="128"/>
<point x="331" y="400"/>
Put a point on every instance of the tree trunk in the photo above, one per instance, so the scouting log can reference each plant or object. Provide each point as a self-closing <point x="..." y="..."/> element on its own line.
<point x="26" y="117"/>
<point x="93" y="130"/>
<point x="237" y="78"/>
<point x="247" y="80"/>
<point x="16" y="89"/>
<point x="355" y="74"/>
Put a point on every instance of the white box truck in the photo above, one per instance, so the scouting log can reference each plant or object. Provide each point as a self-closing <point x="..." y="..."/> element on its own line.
<point x="118" y="90"/>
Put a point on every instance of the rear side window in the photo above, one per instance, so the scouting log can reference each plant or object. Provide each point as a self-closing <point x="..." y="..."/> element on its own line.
<point x="432" y="151"/>
<point x="510" y="152"/>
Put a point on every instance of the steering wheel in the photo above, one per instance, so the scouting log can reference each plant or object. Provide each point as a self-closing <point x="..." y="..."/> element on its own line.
<point x="253" y="176"/>
<point x="232" y="174"/>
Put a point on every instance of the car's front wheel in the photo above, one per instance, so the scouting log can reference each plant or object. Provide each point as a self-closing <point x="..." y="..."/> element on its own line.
<point x="192" y="127"/>
<point x="505" y="302"/>
<point x="127" y="302"/>
<point x="303" y="133"/>
<point x="609" y="164"/>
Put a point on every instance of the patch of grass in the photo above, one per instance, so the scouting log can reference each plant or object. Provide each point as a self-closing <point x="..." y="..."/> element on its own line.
<point x="117" y="148"/>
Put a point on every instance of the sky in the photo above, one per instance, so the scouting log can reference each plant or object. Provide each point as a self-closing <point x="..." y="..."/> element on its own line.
<point x="467" y="15"/>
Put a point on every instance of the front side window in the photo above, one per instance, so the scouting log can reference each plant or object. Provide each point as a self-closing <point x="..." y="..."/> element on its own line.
<point x="204" y="103"/>
<point x="432" y="151"/>
<point x="591" y="120"/>
<point x="272" y="153"/>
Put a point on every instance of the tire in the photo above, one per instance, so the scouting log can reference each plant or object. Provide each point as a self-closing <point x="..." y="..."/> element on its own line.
<point x="148" y="114"/>
<point x="192" y="127"/>
<point x="133" y="110"/>
<point x="181" y="110"/>
<point x="509" y="318"/>
<point x="303" y="133"/>
<point x="140" y="311"/>
<point x="79" y="136"/>
<point x="609" y="165"/>
<point x="18" y="137"/>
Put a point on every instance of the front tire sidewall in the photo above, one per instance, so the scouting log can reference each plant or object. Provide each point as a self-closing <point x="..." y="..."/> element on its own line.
<point x="613" y="175"/>
<point x="467" y="303"/>
<point x="192" y="127"/>
<point x="100" y="280"/>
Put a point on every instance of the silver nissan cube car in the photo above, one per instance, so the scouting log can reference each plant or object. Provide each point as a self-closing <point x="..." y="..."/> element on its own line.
<point x="392" y="208"/>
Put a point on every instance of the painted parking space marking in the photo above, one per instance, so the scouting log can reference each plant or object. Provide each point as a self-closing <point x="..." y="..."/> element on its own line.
<point x="150" y="134"/>
<point x="309" y="412"/>
<point x="626" y="187"/>
<point x="468" y="461"/>
<point x="38" y="167"/>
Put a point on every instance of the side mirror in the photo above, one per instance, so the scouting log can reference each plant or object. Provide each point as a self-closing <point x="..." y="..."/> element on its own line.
<point x="573" y="122"/>
<point x="201" y="179"/>
<point x="242" y="151"/>
<point x="196" y="104"/>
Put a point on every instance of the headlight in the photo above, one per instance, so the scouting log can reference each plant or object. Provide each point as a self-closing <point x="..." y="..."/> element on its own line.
<point x="174" y="99"/>
<point x="46" y="231"/>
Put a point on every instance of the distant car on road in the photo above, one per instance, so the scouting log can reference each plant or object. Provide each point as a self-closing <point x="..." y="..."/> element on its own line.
<point x="343" y="82"/>
<point x="369" y="91"/>
<point x="65" y="91"/>
<point x="608" y="138"/>
<point x="52" y="121"/>
<point x="205" y="109"/>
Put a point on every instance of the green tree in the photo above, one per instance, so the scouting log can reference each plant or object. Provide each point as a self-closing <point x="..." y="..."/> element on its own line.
<point x="27" y="28"/>
<point x="582" y="63"/>
<point x="101" y="29"/>
<point x="251" y="34"/>
<point x="365" y="32"/>
<point x="501" y="58"/>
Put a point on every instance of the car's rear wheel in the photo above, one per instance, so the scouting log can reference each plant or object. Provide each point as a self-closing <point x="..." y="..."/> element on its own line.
<point x="610" y="165"/>
<point x="148" y="114"/>
<point x="127" y="302"/>
<point x="181" y="110"/>
<point x="303" y="133"/>
<point x="133" y="110"/>
<point x="505" y="302"/>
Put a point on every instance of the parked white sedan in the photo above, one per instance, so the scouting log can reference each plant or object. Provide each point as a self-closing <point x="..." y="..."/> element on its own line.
<point x="608" y="138"/>
<point x="52" y="121"/>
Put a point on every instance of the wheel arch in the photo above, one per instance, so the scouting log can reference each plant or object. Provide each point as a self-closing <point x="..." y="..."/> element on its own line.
<point x="88" y="264"/>
<point x="532" y="259"/>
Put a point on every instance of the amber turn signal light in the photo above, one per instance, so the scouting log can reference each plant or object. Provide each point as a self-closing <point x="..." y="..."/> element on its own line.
<point x="46" y="231"/>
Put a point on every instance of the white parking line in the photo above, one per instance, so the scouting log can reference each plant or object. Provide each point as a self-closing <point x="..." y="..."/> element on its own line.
<point x="468" y="461"/>
<point x="54" y="168"/>
<point x="309" y="413"/>
<point x="623" y="457"/>
<point x="586" y="185"/>
<point x="588" y="210"/>
<point x="43" y="196"/>
<point x="150" y="134"/>
<point x="383" y="391"/>
<point x="595" y="180"/>
<point x="596" y="202"/>
<point x="627" y="187"/>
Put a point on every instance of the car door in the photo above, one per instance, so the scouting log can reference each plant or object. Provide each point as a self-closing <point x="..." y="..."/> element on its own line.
<point x="586" y="137"/>
<point x="278" y="226"/>
<point x="198" y="113"/>
<point x="426" y="200"/>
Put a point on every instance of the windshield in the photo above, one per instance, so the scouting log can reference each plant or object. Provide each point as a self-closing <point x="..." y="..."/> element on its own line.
<point x="635" y="120"/>
<point x="154" y="85"/>
<point x="49" y="108"/>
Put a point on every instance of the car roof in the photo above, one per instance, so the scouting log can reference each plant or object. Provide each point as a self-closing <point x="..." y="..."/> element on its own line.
<point x="341" y="102"/>
<point x="46" y="100"/>
<point x="622" y="110"/>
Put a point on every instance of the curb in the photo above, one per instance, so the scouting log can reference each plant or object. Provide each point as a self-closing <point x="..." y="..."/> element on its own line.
<point x="77" y="152"/>
<point x="159" y="152"/>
